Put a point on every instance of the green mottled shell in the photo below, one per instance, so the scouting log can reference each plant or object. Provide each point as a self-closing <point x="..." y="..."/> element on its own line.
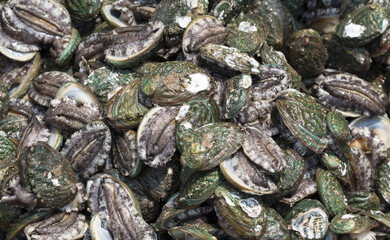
<point x="198" y="113"/>
<point x="363" y="200"/>
<point x="123" y="110"/>
<point x="48" y="174"/>
<point x="228" y="9"/>
<point x="211" y="144"/>
<point x="236" y="95"/>
<point x="305" y="119"/>
<point x="199" y="187"/>
<point x="341" y="169"/>
<point x="190" y="232"/>
<point x="292" y="174"/>
<point x="160" y="183"/>
<point x="104" y="81"/>
<point x="330" y="191"/>
<point x="270" y="56"/>
<point x="309" y="218"/>
<point x="362" y="25"/>
<point x="338" y="126"/>
<point x="4" y="99"/>
<point x="82" y="9"/>
<point x="383" y="180"/>
<point x="276" y="226"/>
<point x="8" y="167"/>
<point x="246" y="34"/>
<point x="351" y="223"/>
<point x="177" y="15"/>
<point x="7" y="147"/>
<point x="173" y="83"/>
<point x="12" y="125"/>
<point x="276" y="20"/>
<point x="381" y="217"/>
<point x="239" y="211"/>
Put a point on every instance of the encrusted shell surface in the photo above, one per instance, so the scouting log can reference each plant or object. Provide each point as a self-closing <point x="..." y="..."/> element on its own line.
<point x="48" y="174"/>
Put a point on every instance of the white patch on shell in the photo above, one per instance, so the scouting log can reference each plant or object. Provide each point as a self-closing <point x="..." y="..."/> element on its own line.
<point x="347" y="216"/>
<point x="228" y="200"/>
<point x="182" y="112"/>
<point x="246" y="81"/>
<point x="187" y="125"/>
<point x="220" y="16"/>
<point x="183" y="21"/>
<point x="353" y="30"/>
<point x="251" y="206"/>
<point x="192" y="3"/>
<point x="246" y="27"/>
<point x="198" y="82"/>
<point x="385" y="23"/>
<point x="55" y="182"/>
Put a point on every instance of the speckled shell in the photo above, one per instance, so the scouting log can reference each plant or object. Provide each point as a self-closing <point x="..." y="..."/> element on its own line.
<point x="202" y="30"/>
<point x="330" y="191"/>
<point x="236" y="95"/>
<point x="383" y="181"/>
<point x="305" y="119"/>
<point x="160" y="183"/>
<point x="263" y="150"/>
<point x="347" y="92"/>
<point x="127" y="54"/>
<point x="8" y="147"/>
<point x="117" y="208"/>
<point x="60" y="226"/>
<point x="362" y="25"/>
<point x="342" y="169"/>
<point x="53" y="21"/>
<point x="4" y="99"/>
<point x="230" y="58"/>
<point x="125" y="155"/>
<point x="363" y="200"/>
<point x="270" y="56"/>
<point x="45" y="86"/>
<point x="48" y="174"/>
<point x="276" y="228"/>
<point x="198" y="188"/>
<point x="351" y="223"/>
<point x="247" y="33"/>
<point x="210" y="144"/>
<point x="123" y="110"/>
<point x="105" y="82"/>
<point x="88" y="149"/>
<point x="338" y="127"/>
<point x="276" y="19"/>
<point x="239" y="214"/>
<point x="173" y="83"/>
<point x="156" y="141"/>
<point x="292" y="175"/>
